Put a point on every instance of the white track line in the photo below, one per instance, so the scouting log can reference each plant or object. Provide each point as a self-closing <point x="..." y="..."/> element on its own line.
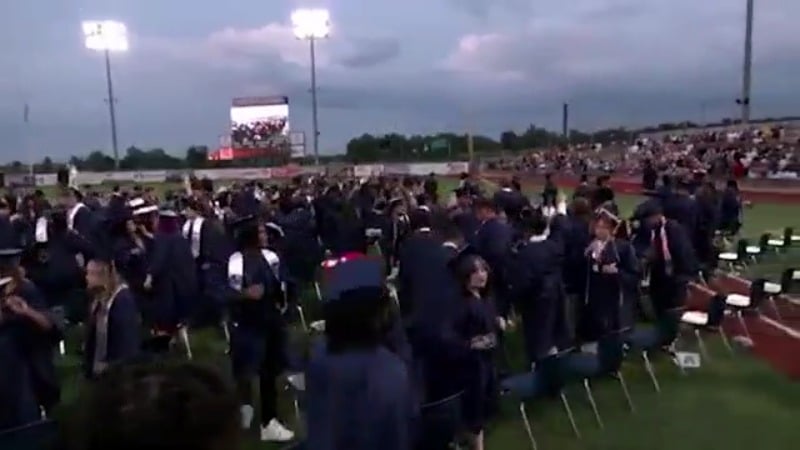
<point x="777" y="325"/>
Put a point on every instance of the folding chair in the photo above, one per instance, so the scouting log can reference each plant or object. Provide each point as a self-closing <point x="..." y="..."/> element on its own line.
<point x="709" y="320"/>
<point x="793" y="238"/>
<point x="789" y="278"/>
<point x="544" y="379"/>
<point x="606" y="362"/>
<point x="783" y="243"/>
<point x="439" y="423"/>
<point x="40" y="435"/>
<point x="754" y="251"/>
<point x="731" y="259"/>
<point x="644" y="340"/>
<point x="741" y="304"/>
<point x="296" y="384"/>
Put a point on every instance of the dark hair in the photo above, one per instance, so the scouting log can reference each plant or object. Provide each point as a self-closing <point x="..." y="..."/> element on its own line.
<point x="465" y="268"/>
<point x="160" y="406"/>
<point x="356" y="320"/>
<point x="533" y="221"/>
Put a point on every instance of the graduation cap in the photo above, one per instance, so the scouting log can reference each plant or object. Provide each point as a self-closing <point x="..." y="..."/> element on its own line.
<point x="395" y="203"/>
<point x="465" y="254"/>
<point x="273" y="229"/>
<point x="350" y="274"/>
<point x="9" y="258"/>
<point x="604" y="215"/>
<point x="380" y="206"/>
<point x="649" y="208"/>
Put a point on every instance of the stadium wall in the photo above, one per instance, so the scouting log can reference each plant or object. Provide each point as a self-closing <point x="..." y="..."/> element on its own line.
<point x="772" y="190"/>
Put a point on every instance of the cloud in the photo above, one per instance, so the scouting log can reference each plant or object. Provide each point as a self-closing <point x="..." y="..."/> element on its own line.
<point x="622" y="43"/>
<point x="371" y="52"/>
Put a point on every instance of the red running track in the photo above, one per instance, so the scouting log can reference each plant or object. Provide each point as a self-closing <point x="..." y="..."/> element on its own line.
<point x="776" y="341"/>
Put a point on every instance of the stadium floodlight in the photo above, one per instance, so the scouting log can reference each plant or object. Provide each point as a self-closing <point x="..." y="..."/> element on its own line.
<point x="107" y="36"/>
<point x="311" y="25"/>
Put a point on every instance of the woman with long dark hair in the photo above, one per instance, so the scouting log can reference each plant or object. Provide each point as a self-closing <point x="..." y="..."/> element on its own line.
<point x="476" y="324"/>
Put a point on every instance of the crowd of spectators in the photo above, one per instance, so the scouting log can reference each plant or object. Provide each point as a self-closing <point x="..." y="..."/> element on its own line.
<point x="257" y="134"/>
<point x="752" y="152"/>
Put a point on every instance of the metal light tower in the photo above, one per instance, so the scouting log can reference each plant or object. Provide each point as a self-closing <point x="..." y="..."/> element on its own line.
<point x="747" y="69"/>
<point x="312" y="25"/>
<point x="108" y="36"/>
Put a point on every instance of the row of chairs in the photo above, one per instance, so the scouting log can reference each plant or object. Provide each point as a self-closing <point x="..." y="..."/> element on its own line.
<point x="551" y="376"/>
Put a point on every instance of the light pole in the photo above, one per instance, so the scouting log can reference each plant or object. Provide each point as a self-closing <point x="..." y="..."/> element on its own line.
<point x="747" y="68"/>
<point x="107" y="36"/>
<point x="312" y="25"/>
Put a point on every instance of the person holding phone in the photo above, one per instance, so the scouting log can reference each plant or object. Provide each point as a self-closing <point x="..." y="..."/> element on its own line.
<point x="28" y="334"/>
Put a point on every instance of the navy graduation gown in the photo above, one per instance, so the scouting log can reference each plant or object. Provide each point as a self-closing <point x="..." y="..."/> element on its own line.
<point x="477" y="317"/>
<point x="358" y="400"/>
<point x="669" y="279"/>
<point x="258" y="334"/>
<point x="493" y="243"/>
<point x="123" y="335"/>
<point x="174" y="280"/>
<point x="27" y="379"/>
<point x="536" y="293"/>
<point x="609" y="299"/>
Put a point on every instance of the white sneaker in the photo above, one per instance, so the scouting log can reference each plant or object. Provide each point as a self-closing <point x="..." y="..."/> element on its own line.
<point x="246" y="412"/>
<point x="276" y="432"/>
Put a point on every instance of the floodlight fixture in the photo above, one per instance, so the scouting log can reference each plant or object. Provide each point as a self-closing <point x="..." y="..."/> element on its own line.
<point x="105" y="35"/>
<point x="311" y="23"/>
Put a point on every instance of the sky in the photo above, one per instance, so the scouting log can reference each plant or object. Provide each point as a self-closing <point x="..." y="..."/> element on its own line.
<point x="412" y="66"/>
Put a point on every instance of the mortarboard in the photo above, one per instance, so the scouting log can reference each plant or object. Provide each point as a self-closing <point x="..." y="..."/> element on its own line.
<point x="244" y="222"/>
<point x="275" y="229"/>
<point x="395" y="202"/>
<point x="464" y="254"/>
<point x="9" y="258"/>
<point x="603" y="214"/>
<point x="349" y="274"/>
<point x="649" y="208"/>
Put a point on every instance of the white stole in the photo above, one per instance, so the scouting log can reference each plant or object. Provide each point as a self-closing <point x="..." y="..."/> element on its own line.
<point x="195" y="226"/>
<point x="72" y="213"/>
<point x="41" y="230"/>
<point x="236" y="269"/>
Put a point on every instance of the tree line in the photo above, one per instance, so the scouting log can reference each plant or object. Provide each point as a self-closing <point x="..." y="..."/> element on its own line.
<point x="392" y="147"/>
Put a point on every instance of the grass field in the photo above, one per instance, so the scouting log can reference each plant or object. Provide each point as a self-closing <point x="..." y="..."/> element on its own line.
<point x="731" y="402"/>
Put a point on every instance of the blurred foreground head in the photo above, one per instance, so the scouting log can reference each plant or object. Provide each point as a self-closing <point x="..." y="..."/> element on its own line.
<point x="159" y="406"/>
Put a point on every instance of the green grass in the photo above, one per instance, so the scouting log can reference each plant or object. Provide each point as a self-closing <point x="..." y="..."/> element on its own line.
<point x="731" y="402"/>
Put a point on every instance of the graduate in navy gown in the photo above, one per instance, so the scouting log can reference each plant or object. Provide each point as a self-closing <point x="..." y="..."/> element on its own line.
<point x="258" y="330"/>
<point x="210" y="250"/>
<point x="731" y="209"/>
<point x="28" y="335"/>
<point x="535" y="287"/>
<point x="114" y="324"/>
<point x="477" y="325"/>
<point x="79" y="217"/>
<point x="56" y="265"/>
<point x="493" y="243"/>
<point x="671" y="260"/>
<point x="612" y="281"/>
<point x="359" y="394"/>
<point x="171" y="280"/>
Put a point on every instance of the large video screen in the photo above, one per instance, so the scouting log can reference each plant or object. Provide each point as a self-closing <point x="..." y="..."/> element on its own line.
<point x="259" y="122"/>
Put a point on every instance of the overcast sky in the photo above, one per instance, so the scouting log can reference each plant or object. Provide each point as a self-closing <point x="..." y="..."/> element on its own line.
<point x="407" y="66"/>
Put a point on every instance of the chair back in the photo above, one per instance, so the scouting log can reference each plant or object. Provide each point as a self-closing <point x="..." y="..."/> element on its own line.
<point x="40" y="435"/>
<point x="611" y="352"/>
<point x="788" y="278"/>
<point x="741" y="248"/>
<point x="439" y="423"/>
<point x="762" y="241"/>
<point x="757" y="294"/>
<point x="716" y="310"/>
<point x="669" y="325"/>
<point x="788" y="232"/>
